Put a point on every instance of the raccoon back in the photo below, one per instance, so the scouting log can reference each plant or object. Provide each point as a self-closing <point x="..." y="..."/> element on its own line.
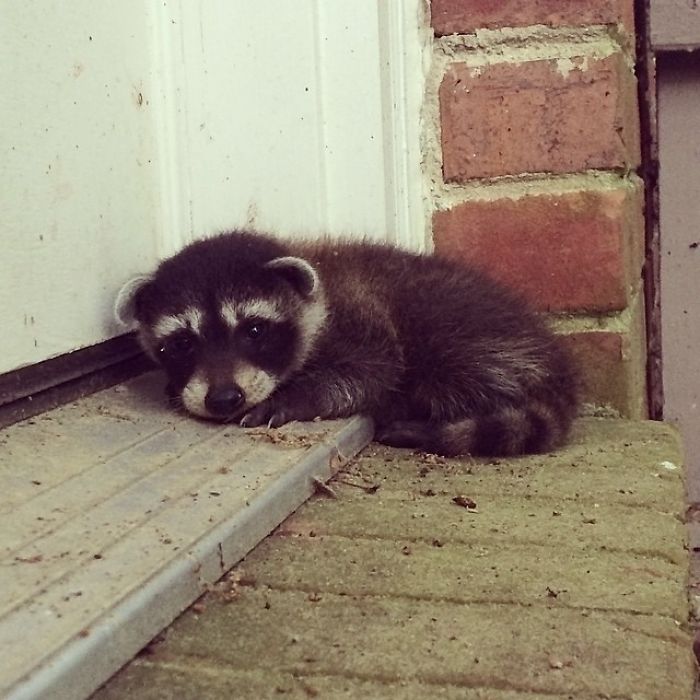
<point x="477" y="371"/>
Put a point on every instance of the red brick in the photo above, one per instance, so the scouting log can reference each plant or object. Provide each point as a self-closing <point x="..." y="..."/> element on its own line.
<point x="611" y="369"/>
<point x="538" y="116"/>
<point x="600" y="359"/>
<point x="462" y="17"/>
<point x="580" y="251"/>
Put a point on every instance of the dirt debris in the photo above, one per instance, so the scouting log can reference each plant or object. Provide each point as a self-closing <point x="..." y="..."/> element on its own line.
<point x="228" y="589"/>
<point x="367" y="488"/>
<point x="30" y="560"/>
<point x="321" y="487"/>
<point x="284" y="438"/>
<point x="465" y="502"/>
<point x="555" y="663"/>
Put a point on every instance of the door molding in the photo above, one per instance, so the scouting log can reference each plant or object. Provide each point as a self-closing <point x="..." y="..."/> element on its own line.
<point x="170" y="105"/>
<point x="344" y="159"/>
<point x="405" y="53"/>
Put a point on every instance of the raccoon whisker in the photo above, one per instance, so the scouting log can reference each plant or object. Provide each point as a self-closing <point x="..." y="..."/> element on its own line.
<point x="175" y="402"/>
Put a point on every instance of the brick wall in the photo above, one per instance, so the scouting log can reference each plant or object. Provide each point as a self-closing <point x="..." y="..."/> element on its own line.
<point x="532" y="143"/>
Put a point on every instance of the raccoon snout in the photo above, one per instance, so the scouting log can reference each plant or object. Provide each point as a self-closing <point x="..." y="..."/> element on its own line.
<point x="224" y="401"/>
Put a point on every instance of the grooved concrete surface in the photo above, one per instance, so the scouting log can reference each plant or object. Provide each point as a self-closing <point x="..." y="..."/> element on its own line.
<point x="562" y="576"/>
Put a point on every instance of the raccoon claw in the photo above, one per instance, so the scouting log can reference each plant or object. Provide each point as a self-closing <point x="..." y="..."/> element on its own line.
<point x="254" y="418"/>
<point x="264" y="414"/>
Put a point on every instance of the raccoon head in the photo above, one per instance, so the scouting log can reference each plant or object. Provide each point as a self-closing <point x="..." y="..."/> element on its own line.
<point x="229" y="319"/>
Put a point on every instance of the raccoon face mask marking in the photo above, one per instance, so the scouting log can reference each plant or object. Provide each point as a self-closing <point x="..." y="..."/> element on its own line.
<point x="234" y="312"/>
<point x="177" y="354"/>
<point x="221" y="374"/>
<point x="225" y="334"/>
<point x="189" y="319"/>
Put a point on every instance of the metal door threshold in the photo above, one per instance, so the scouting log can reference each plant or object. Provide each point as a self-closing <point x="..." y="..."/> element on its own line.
<point x="116" y="514"/>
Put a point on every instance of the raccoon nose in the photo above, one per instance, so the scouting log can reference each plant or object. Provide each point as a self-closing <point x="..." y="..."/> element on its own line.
<point x="223" y="401"/>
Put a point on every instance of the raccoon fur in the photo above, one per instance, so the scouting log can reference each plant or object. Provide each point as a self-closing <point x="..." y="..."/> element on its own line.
<point x="261" y="331"/>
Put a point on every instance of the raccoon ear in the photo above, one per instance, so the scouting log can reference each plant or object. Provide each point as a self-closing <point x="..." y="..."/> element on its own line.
<point x="125" y="303"/>
<point x="298" y="272"/>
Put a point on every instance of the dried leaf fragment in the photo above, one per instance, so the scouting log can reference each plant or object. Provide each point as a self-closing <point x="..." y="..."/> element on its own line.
<point x="557" y="663"/>
<point x="322" y="487"/>
<point x="464" y="502"/>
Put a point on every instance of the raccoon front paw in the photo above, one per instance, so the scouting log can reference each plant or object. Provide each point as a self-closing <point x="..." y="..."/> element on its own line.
<point x="266" y="413"/>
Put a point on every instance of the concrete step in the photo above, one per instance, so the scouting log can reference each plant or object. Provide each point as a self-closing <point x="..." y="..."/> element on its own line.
<point x="555" y="576"/>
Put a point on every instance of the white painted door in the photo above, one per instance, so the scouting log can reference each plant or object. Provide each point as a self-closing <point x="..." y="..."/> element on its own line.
<point x="78" y="171"/>
<point x="130" y="128"/>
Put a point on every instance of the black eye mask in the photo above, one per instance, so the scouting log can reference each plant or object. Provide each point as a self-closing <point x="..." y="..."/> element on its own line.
<point x="178" y="348"/>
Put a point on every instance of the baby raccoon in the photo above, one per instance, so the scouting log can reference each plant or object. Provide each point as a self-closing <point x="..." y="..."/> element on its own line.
<point x="263" y="331"/>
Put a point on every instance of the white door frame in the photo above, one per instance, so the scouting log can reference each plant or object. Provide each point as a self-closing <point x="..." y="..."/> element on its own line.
<point x="406" y="52"/>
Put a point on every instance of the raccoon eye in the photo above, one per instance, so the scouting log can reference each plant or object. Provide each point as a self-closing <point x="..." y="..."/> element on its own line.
<point x="177" y="347"/>
<point x="256" y="329"/>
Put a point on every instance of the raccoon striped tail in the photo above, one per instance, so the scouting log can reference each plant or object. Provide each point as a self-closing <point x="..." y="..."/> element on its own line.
<point x="508" y="432"/>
